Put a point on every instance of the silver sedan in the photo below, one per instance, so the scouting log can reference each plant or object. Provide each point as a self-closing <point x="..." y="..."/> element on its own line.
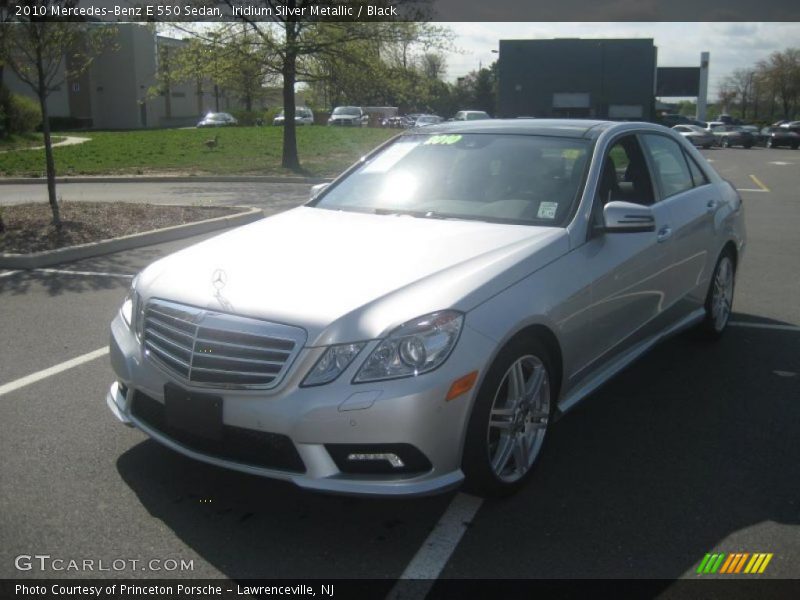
<point x="422" y="320"/>
<point x="702" y="138"/>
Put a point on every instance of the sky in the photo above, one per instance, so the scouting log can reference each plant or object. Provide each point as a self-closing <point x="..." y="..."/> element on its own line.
<point x="732" y="45"/>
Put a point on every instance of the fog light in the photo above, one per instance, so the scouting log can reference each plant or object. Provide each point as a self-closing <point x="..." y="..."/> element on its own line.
<point x="390" y="457"/>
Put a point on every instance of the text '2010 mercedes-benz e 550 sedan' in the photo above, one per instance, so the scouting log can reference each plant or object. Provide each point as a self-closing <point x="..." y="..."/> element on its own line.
<point x="423" y="319"/>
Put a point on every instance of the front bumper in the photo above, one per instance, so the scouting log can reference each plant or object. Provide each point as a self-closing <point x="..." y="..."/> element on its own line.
<point x="405" y="411"/>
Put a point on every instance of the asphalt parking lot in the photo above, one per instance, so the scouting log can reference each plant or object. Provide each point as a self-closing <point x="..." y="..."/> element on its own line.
<point x="692" y="450"/>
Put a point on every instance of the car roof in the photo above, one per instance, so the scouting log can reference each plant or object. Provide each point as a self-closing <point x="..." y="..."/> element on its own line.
<point x="574" y="128"/>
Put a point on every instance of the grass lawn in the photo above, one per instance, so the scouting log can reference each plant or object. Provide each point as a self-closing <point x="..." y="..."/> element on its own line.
<point x="324" y="151"/>
<point x="24" y="140"/>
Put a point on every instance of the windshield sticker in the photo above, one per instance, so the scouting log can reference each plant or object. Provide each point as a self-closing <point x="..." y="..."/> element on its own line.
<point x="442" y="140"/>
<point x="547" y="210"/>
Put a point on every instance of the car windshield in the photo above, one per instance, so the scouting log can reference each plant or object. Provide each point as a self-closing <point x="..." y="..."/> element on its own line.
<point x="521" y="179"/>
<point x="217" y="117"/>
<point x="347" y="110"/>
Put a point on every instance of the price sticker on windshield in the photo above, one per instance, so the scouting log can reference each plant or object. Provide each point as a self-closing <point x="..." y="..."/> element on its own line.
<point x="442" y="140"/>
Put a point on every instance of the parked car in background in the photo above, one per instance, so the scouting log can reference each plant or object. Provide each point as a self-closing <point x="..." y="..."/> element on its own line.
<point x="302" y="116"/>
<point x="697" y="135"/>
<point x="777" y="137"/>
<point x="348" y="116"/>
<point x="433" y="310"/>
<point x="424" y="120"/>
<point x="395" y="122"/>
<point x="792" y="126"/>
<point x="218" y="119"/>
<point x="733" y="135"/>
<point x="471" y="115"/>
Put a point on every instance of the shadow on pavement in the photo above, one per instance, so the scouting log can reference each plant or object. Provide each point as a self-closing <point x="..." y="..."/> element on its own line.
<point x="676" y="456"/>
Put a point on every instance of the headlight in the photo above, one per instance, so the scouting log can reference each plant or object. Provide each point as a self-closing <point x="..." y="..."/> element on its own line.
<point x="414" y="348"/>
<point x="332" y="364"/>
<point x="132" y="309"/>
<point x="127" y="307"/>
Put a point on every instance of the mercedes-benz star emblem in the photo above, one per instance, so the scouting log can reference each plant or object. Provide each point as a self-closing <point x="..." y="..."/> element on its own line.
<point x="218" y="279"/>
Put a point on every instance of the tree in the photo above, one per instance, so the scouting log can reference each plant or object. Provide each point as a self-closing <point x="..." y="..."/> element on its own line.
<point x="741" y="83"/>
<point x="289" y="43"/>
<point x="433" y="65"/>
<point x="44" y="54"/>
<point x="781" y="73"/>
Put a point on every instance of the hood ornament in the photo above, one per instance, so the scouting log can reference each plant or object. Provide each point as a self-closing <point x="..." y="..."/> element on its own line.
<point x="219" y="278"/>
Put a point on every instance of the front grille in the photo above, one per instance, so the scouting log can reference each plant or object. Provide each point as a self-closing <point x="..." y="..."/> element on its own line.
<point x="217" y="349"/>
<point x="245" y="446"/>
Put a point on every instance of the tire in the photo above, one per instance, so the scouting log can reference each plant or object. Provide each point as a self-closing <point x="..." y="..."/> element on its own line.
<point x="795" y="146"/>
<point x="769" y="143"/>
<point x="706" y="146"/>
<point x="748" y="145"/>
<point x="500" y="453"/>
<point x="719" y="298"/>
<point x="725" y="143"/>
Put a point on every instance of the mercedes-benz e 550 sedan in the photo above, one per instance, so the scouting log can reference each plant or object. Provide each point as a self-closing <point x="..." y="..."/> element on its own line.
<point x="423" y="319"/>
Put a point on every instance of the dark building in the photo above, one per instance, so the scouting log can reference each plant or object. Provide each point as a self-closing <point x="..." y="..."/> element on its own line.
<point x="577" y="78"/>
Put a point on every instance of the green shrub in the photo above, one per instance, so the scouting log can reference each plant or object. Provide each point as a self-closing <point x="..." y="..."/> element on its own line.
<point x="25" y="114"/>
<point x="246" y="117"/>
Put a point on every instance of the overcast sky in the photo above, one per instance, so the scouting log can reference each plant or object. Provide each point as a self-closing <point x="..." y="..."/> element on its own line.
<point x="732" y="45"/>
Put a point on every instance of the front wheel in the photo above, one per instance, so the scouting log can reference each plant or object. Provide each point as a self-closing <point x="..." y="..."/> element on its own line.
<point x="725" y="143"/>
<point x="719" y="299"/>
<point x="769" y="143"/>
<point x="509" y="421"/>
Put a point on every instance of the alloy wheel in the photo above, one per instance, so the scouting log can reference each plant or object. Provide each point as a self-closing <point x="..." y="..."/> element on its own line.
<point x="722" y="294"/>
<point x="518" y="418"/>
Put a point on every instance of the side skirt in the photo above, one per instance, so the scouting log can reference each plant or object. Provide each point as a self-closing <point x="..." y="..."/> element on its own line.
<point x="604" y="374"/>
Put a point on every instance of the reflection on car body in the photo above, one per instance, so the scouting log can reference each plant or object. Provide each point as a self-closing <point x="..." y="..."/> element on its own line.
<point x="425" y="317"/>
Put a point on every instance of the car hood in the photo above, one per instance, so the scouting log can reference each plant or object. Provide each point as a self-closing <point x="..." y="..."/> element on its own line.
<point x="346" y="276"/>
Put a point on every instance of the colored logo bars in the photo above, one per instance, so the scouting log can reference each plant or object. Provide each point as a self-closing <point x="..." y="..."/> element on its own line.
<point x="742" y="562"/>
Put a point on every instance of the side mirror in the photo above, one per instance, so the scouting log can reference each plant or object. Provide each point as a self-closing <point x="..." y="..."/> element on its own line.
<point x="316" y="189"/>
<point x="627" y="217"/>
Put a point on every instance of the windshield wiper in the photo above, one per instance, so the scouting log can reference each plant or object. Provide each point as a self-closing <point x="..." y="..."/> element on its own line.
<point x="421" y="214"/>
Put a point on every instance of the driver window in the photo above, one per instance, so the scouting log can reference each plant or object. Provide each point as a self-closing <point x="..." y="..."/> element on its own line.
<point x="625" y="175"/>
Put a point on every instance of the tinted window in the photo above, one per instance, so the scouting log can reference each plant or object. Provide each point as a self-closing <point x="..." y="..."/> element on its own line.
<point x="520" y="179"/>
<point x="698" y="177"/>
<point x="671" y="171"/>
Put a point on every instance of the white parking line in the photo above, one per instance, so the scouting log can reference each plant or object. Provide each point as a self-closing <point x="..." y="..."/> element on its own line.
<point x="764" y="326"/>
<point x="749" y="190"/>
<point x="54" y="370"/>
<point x="8" y="274"/>
<point x="434" y="553"/>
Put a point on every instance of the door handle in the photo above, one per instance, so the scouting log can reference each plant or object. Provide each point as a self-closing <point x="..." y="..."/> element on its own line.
<point x="664" y="234"/>
<point x="711" y="205"/>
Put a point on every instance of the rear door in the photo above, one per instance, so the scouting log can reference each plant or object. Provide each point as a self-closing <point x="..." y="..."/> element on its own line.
<point x="693" y="204"/>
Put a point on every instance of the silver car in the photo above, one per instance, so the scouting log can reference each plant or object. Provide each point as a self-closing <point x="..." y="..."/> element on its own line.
<point x="697" y="135"/>
<point x="423" y="319"/>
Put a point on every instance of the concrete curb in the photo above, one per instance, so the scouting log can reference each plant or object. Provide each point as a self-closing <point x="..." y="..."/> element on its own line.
<point x="168" y="179"/>
<point x="47" y="258"/>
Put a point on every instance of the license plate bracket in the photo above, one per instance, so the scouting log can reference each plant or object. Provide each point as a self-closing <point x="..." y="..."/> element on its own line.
<point x="197" y="414"/>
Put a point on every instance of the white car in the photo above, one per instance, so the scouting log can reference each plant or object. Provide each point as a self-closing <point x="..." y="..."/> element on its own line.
<point x="425" y="317"/>
<point x="471" y="115"/>
<point x="302" y="116"/>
